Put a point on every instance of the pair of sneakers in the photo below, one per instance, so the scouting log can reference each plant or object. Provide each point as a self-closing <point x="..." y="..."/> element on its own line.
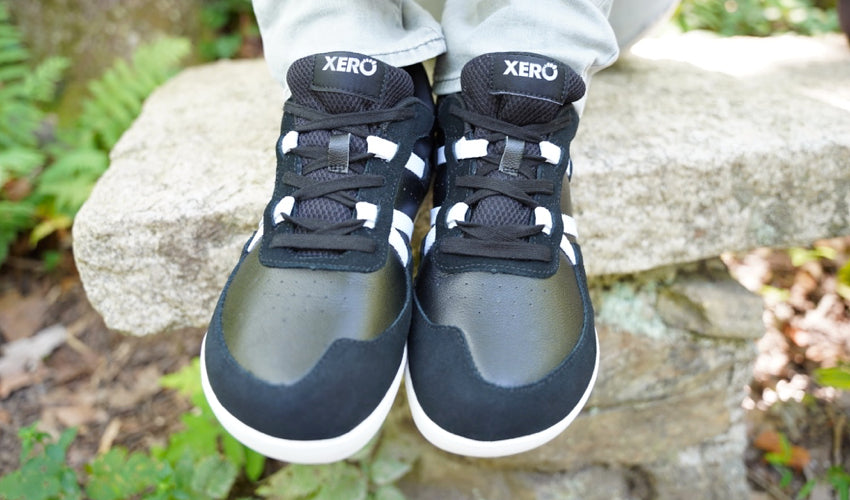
<point x="320" y="320"/>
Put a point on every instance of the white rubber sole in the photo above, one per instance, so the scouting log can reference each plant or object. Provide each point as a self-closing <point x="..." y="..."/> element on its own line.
<point x="461" y="445"/>
<point x="317" y="451"/>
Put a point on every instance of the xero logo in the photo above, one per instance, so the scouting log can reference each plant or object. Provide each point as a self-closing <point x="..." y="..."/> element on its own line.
<point x="365" y="67"/>
<point x="527" y="69"/>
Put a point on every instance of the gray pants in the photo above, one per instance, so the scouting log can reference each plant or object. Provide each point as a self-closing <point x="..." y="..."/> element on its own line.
<point x="404" y="32"/>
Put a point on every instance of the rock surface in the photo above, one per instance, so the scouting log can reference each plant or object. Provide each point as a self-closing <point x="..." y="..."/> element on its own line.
<point x="700" y="145"/>
<point x="747" y="144"/>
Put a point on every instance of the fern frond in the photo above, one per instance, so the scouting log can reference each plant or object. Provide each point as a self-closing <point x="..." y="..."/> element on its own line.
<point x="12" y="54"/>
<point x="114" y="116"/>
<point x="14" y="217"/>
<point x="130" y="100"/>
<point x="41" y="82"/>
<point x="12" y="72"/>
<point x="116" y="97"/>
<point x="18" y="122"/>
<point x="67" y="182"/>
<point x="159" y="59"/>
<point x="19" y="162"/>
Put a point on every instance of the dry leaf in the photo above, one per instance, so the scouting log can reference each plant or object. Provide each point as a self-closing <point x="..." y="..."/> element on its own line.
<point x="770" y="441"/>
<point x="20" y="317"/>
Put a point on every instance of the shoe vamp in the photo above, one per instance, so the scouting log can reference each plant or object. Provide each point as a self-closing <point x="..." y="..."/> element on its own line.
<point x="518" y="328"/>
<point x="278" y="322"/>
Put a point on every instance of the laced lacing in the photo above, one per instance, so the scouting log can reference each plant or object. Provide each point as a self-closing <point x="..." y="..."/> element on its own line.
<point x="326" y="234"/>
<point x="504" y="241"/>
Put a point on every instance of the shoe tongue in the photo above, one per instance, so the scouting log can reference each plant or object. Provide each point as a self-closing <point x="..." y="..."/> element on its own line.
<point x="346" y="82"/>
<point x="521" y="89"/>
<point x="518" y="87"/>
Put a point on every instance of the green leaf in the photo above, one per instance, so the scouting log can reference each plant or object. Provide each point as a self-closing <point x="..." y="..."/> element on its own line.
<point x="68" y="182"/>
<point x="13" y="54"/>
<point x="255" y="463"/>
<point x="295" y="482"/>
<point x="394" y="458"/>
<point x="13" y="72"/>
<point x="115" y="476"/>
<point x="838" y="377"/>
<point x="233" y="449"/>
<point x="806" y="490"/>
<point x="19" y="161"/>
<point x="199" y="437"/>
<point x="786" y="476"/>
<point x="226" y="46"/>
<point x="843" y="276"/>
<point x="783" y="456"/>
<point x="387" y="470"/>
<point x="388" y="492"/>
<point x="364" y="453"/>
<point x="347" y="483"/>
<point x="187" y="381"/>
<point x="801" y="256"/>
<point x="47" y="227"/>
<point x="335" y="481"/>
<point x="41" y="82"/>
<point x="42" y="475"/>
<point x="773" y="293"/>
<point x="840" y="481"/>
<point x="214" y="477"/>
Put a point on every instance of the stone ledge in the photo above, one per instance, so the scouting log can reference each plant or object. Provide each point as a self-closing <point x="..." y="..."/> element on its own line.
<point x="747" y="144"/>
<point x="697" y="146"/>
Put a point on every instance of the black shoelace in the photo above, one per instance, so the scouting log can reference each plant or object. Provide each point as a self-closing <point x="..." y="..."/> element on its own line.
<point x="323" y="234"/>
<point x="504" y="241"/>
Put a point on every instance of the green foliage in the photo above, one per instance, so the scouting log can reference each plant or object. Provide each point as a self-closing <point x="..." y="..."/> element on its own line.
<point x="23" y="90"/>
<point x="226" y="24"/>
<point x="46" y="175"/>
<point x="802" y="256"/>
<point x="202" y="461"/>
<point x="843" y="286"/>
<point x="43" y="474"/>
<point x="758" y="17"/>
<point x="837" y="377"/>
<point x="368" y="475"/>
<point x="783" y="456"/>
<point x="202" y="436"/>
<point x="840" y="481"/>
<point x="117" y="96"/>
<point x="115" y="475"/>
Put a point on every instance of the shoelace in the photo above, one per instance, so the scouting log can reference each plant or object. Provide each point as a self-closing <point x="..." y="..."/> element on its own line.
<point x="506" y="241"/>
<point x="322" y="234"/>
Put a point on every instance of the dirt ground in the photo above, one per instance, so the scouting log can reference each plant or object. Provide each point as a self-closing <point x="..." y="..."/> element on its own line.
<point x="81" y="374"/>
<point x="104" y="383"/>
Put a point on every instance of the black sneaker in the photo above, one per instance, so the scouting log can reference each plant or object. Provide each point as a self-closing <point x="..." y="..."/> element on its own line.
<point x="306" y="349"/>
<point x="503" y="351"/>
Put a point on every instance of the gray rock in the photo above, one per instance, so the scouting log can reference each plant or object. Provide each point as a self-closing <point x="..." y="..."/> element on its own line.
<point x="164" y="225"/>
<point x="704" y="145"/>
<point x="709" y="471"/>
<point x="674" y="163"/>
<point x="713" y="305"/>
